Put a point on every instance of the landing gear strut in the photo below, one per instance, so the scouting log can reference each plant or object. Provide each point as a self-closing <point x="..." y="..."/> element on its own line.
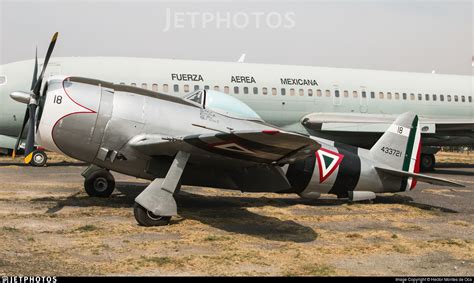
<point x="427" y="162"/>
<point x="39" y="158"/>
<point x="98" y="182"/>
<point x="156" y="204"/>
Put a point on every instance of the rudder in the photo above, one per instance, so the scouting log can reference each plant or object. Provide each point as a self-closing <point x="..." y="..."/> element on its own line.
<point x="399" y="147"/>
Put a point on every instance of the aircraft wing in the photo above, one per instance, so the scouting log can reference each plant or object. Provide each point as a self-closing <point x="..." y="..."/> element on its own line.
<point x="269" y="147"/>
<point x="360" y="122"/>
<point x="419" y="177"/>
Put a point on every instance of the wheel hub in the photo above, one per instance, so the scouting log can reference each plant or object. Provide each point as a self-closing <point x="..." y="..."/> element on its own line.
<point x="153" y="216"/>
<point x="100" y="184"/>
<point x="38" y="158"/>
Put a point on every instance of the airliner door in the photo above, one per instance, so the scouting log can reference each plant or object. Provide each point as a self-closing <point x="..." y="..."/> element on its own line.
<point x="363" y="102"/>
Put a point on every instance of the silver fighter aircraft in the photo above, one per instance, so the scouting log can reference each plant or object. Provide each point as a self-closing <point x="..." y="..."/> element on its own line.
<point x="207" y="138"/>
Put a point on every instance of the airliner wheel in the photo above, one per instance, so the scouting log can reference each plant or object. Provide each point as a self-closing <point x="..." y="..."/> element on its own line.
<point x="39" y="158"/>
<point x="148" y="219"/>
<point x="99" y="184"/>
<point x="428" y="162"/>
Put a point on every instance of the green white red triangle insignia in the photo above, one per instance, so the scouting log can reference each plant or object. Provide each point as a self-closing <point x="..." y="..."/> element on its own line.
<point x="328" y="161"/>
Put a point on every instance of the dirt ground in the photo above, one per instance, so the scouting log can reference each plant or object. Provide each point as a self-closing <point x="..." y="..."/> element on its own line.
<point x="49" y="226"/>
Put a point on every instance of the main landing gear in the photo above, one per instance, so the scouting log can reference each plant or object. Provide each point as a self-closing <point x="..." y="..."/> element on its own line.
<point x="156" y="204"/>
<point x="98" y="182"/>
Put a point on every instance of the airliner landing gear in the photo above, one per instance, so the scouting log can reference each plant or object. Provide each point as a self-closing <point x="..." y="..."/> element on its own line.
<point x="156" y="204"/>
<point x="98" y="182"/>
<point x="39" y="158"/>
<point x="427" y="162"/>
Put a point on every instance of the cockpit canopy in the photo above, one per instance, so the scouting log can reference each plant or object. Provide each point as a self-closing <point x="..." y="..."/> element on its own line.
<point x="223" y="104"/>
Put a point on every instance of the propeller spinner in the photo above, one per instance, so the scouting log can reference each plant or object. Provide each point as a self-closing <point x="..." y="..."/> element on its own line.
<point x="32" y="99"/>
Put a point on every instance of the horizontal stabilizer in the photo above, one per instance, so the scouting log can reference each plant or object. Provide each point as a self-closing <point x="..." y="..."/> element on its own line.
<point x="419" y="177"/>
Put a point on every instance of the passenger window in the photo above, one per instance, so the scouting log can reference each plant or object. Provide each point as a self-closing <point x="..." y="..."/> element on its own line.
<point x="389" y="95"/>
<point x="456" y="98"/>
<point x="122" y="83"/>
<point x="346" y="93"/>
<point x="412" y="96"/>
<point x="283" y="91"/>
<point x="470" y="99"/>
<point x="463" y="98"/>
<point x="216" y="88"/>
<point x="236" y="89"/>
<point x="154" y="87"/>
<point x="420" y="97"/>
<point x="3" y="80"/>
<point x="186" y="88"/>
<point x="301" y="92"/>
<point x="364" y="94"/>
<point x="274" y="91"/>
<point x="328" y="93"/>
<point x="176" y="88"/>
<point x="404" y="95"/>
<point x="165" y="87"/>
<point x="441" y="97"/>
<point x="397" y="96"/>
<point x="434" y="97"/>
<point x="264" y="91"/>
<point x="427" y="97"/>
<point x="144" y="86"/>
<point x="246" y="90"/>
<point x="292" y="91"/>
<point x="196" y="87"/>
<point x="255" y="90"/>
<point x="319" y="93"/>
<point x="133" y="84"/>
<point x="206" y="87"/>
<point x="381" y="95"/>
<point x="449" y="98"/>
<point x="336" y="93"/>
<point x="310" y="92"/>
<point x="226" y="89"/>
<point x="372" y="94"/>
<point x="355" y="94"/>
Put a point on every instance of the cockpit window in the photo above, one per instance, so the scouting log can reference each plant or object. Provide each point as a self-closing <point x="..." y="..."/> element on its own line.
<point x="3" y="80"/>
<point x="224" y="104"/>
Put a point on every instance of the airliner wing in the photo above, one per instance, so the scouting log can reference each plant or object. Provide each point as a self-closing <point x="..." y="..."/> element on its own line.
<point x="267" y="147"/>
<point x="360" y="122"/>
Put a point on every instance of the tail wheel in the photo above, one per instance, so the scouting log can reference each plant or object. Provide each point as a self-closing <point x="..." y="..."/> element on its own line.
<point x="428" y="162"/>
<point x="39" y="158"/>
<point x="99" y="184"/>
<point x="147" y="218"/>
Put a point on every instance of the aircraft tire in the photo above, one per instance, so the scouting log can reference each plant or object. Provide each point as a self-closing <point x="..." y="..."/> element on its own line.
<point x="427" y="162"/>
<point x="99" y="184"/>
<point x="39" y="158"/>
<point x="148" y="219"/>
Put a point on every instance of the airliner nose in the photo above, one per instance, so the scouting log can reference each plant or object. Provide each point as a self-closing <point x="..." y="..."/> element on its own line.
<point x="21" y="96"/>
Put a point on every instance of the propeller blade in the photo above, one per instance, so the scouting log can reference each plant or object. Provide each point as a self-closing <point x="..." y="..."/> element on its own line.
<point x="30" y="138"/>
<point x="35" y="72"/>
<point x="25" y="120"/>
<point x="37" y="86"/>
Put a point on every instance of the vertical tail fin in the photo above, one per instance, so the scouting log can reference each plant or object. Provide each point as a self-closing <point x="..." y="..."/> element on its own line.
<point x="399" y="147"/>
